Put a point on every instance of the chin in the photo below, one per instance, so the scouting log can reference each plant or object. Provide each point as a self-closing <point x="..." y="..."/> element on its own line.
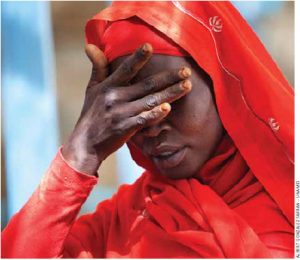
<point x="178" y="173"/>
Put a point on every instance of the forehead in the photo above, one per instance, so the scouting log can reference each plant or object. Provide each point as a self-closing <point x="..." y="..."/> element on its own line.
<point x="156" y="64"/>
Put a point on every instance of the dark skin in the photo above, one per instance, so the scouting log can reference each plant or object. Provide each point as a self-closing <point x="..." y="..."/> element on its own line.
<point x="133" y="105"/>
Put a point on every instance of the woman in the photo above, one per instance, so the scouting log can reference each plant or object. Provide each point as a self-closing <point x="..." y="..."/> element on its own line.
<point x="204" y="110"/>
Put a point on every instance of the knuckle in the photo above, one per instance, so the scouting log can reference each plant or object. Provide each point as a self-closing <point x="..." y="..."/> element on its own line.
<point x="110" y="100"/>
<point x="151" y="101"/>
<point x="153" y="115"/>
<point x="150" y="84"/>
<point x="141" y="120"/>
<point x="109" y="103"/>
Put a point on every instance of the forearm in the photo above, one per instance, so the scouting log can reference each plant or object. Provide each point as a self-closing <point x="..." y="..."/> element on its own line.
<point x="41" y="226"/>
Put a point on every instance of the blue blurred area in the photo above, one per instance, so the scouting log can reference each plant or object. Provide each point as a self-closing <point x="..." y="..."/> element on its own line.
<point x="128" y="170"/>
<point x="253" y="11"/>
<point x="30" y="130"/>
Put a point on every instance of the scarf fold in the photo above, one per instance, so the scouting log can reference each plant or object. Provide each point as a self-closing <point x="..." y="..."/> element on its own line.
<point x="228" y="174"/>
<point x="117" y="41"/>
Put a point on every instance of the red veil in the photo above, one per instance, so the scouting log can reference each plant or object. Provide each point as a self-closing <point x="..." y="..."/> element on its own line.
<point x="255" y="104"/>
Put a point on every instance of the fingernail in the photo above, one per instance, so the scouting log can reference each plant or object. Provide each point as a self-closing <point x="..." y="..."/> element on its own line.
<point x="187" y="84"/>
<point x="147" y="48"/>
<point x="185" y="72"/>
<point x="165" y="107"/>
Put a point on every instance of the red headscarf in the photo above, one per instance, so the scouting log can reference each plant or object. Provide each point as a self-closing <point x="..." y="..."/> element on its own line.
<point x="117" y="39"/>
<point x="255" y="104"/>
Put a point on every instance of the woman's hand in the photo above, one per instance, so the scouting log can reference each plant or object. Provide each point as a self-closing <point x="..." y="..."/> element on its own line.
<point x="114" y="111"/>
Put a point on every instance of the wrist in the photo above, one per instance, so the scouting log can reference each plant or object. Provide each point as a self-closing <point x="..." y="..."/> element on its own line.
<point x="80" y="158"/>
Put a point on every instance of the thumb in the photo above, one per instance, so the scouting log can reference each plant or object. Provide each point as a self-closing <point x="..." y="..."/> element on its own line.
<point x="99" y="62"/>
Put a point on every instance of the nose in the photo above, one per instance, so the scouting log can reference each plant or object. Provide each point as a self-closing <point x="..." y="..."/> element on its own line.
<point x="155" y="130"/>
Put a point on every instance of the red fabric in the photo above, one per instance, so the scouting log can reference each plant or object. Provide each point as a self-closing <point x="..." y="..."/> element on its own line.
<point x="241" y="202"/>
<point x="117" y="39"/>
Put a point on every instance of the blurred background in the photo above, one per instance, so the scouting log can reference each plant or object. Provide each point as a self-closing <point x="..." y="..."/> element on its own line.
<point x="44" y="75"/>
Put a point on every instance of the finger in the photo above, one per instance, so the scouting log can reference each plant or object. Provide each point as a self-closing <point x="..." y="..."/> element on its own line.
<point x="168" y="95"/>
<point x="147" y="118"/>
<point x="131" y="65"/>
<point x="99" y="62"/>
<point x="154" y="84"/>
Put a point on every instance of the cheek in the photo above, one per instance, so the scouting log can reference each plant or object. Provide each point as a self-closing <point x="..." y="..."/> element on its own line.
<point x="210" y="127"/>
<point x="192" y="115"/>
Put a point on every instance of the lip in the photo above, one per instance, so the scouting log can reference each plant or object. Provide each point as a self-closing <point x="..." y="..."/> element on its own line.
<point x="164" y="148"/>
<point x="168" y="156"/>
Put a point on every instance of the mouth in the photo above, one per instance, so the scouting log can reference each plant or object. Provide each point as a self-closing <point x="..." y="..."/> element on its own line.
<point x="169" y="157"/>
